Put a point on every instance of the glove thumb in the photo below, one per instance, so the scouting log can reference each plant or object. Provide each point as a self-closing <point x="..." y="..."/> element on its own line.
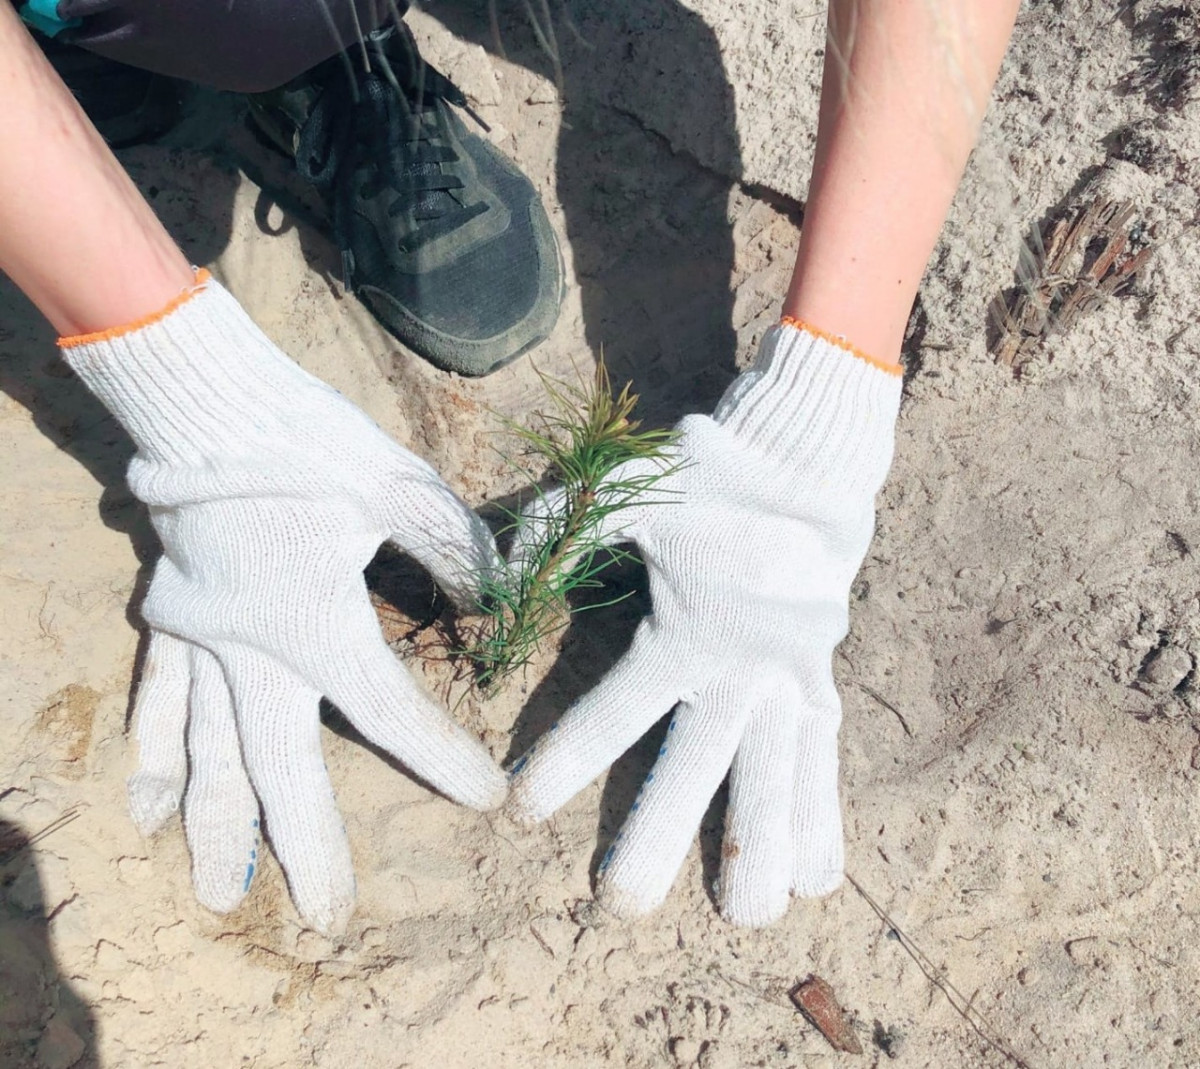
<point x="430" y="522"/>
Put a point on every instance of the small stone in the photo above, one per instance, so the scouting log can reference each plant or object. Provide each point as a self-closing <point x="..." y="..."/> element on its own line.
<point x="59" y="1047"/>
<point x="1028" y="975"/>
<point x="1166" y="668"/>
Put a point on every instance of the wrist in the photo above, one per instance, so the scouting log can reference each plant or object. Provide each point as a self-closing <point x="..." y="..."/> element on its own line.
<point x="66" y="203"/>
<point x="874" y="316"/>
<point x="188" y="378"/>
<point x="818" y="406"/>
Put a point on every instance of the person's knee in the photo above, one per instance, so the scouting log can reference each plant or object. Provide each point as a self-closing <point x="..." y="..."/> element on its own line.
<point x="243" y="48"/>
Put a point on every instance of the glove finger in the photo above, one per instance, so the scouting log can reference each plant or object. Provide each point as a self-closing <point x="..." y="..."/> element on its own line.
<point x="430" y="522"/>
<point x="279" y="725"/>
<point x="220" y="812"/>
<point x="600" y="726"/>
<point x="388" y="706"/>
<point x="640" y="866"/>
<point x="756" y="857"/>
<point x="818" y="861"/>
<point x="161" y="713"/>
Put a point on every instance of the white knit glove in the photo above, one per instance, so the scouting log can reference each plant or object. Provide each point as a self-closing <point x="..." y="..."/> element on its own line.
<point x="751" y="547"/>
<point x="271" y="493"/>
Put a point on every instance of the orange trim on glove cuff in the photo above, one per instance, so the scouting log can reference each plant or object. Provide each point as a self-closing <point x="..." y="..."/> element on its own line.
<point x="841" y="343"/>
<point x="202" y="277"/>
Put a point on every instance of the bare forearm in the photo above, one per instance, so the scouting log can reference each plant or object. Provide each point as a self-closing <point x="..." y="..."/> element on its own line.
<point x="906" y="83"/>
<point x="75" y="234"/>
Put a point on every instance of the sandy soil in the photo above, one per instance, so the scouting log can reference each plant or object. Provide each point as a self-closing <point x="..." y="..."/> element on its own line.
<point x="1021" y="740"/>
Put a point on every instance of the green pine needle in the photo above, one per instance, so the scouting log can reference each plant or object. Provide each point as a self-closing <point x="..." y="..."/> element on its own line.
<point x="586" y="437"/>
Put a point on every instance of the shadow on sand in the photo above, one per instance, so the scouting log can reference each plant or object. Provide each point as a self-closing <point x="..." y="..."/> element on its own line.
<point x="43" y="1023"/>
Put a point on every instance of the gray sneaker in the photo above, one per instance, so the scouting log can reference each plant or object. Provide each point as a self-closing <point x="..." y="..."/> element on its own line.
<point x="442" y="238"/>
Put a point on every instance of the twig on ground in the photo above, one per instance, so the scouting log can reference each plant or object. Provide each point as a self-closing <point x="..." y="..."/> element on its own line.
<point x="7" y="853"/>
<point x="961" y="1003"/>
<point x="889" y="706"/>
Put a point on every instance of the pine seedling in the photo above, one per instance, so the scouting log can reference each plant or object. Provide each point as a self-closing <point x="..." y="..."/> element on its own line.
<point x="585" y="437"/>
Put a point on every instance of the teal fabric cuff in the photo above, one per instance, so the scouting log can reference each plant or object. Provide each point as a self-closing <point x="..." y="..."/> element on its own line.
<point x="42" y="15"/>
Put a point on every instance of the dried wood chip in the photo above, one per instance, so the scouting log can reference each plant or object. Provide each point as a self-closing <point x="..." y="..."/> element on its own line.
<point x="815" y="999"/>
<point x="1071" y="277"/>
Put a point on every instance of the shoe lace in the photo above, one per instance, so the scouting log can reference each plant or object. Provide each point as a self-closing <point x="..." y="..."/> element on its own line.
<point x="388" y="119"/>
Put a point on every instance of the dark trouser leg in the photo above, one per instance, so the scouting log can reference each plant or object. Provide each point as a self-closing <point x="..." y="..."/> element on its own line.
<point x="247" y="46"/>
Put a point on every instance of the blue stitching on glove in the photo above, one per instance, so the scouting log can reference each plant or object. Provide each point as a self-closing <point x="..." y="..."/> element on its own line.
<point x="253" y="863"/>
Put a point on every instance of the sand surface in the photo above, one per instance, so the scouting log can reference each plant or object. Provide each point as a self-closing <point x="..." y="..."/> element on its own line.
<point x="1022" y="732"/>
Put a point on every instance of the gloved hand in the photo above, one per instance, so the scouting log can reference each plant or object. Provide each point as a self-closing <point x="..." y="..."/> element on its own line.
<point x="751" y="545"/>
<point x="270" y="493"/>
